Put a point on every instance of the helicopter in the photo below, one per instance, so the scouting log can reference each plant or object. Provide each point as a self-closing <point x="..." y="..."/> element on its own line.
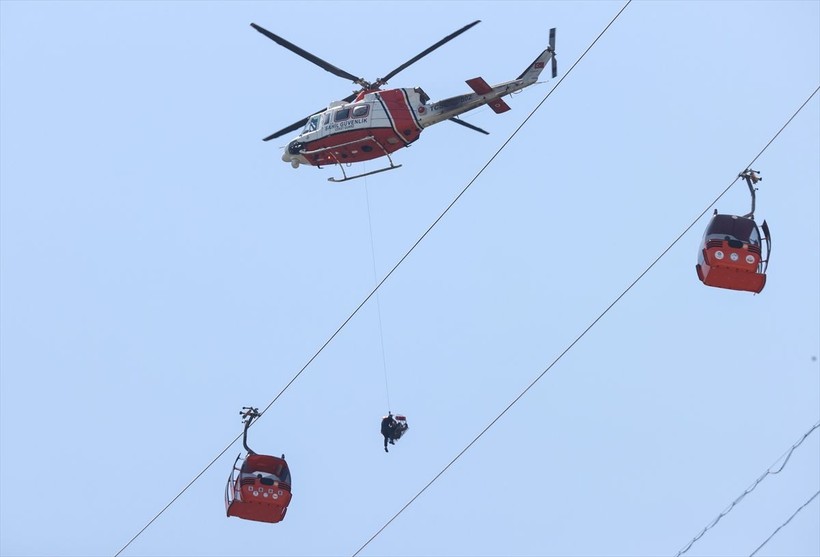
<point x="731" y="254"/>
<point x="373" y="122"/>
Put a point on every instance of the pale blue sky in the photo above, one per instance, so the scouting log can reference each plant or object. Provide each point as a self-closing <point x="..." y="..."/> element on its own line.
<point x="162" y="267"/>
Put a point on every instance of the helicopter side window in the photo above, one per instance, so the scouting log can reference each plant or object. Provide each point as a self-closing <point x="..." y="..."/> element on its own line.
<point x="361" y="110"/>
<point x="342" y="114"/>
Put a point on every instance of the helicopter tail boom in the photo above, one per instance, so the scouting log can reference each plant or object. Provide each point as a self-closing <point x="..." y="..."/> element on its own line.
<point x="484" y="93"/>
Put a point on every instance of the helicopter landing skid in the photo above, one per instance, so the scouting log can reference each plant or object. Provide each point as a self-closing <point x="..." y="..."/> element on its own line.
<point x="346" y="177"/>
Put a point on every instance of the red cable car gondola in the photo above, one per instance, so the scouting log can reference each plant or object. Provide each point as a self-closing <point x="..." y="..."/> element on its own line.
<point x="259" y="489"/>
<point x="731" y="254"/>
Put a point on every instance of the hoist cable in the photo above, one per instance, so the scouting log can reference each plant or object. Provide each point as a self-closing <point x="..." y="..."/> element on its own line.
<point x="378" y="301"/>
<point x="594" y="322"/>
<point x="803" y="506"/>
<point x="514" y="133"/>
<point x="784" y="457"/>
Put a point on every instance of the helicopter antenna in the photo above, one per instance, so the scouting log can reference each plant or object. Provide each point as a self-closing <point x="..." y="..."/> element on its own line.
<point x="752" y="177"/>
<point x="249" y="414"/>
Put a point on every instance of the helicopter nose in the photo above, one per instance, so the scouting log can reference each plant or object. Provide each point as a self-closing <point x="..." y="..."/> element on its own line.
<point x="291" y="154"/>
<point x="294" y="147"/>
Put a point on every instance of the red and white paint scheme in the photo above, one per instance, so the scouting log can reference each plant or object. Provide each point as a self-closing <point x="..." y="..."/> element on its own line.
<point x="374" y="123"/>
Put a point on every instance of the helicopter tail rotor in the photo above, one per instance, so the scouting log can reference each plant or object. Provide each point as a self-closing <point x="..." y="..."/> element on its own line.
<point x="540" y="63"/>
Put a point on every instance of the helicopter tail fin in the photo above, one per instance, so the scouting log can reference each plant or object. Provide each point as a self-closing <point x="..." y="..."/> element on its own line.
<point x="534" y="70"/>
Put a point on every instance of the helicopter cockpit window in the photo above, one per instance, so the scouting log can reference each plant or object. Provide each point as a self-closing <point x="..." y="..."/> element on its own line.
<point x="361" y="110"/>
<point x="342" y="114"/>
<point x="312" y="124"/>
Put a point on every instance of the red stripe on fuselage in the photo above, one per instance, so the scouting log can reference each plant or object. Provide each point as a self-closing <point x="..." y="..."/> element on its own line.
<point x="401" y="114"/>
<point x="352" y="146"/>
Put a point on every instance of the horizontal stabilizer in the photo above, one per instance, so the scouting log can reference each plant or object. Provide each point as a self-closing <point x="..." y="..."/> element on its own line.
<point x="481" y="87"/>
<point x="499" y="106"/>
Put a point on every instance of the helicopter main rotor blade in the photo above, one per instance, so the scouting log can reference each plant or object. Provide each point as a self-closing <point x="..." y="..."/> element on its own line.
<point x="382" y="80"/>
<point x="468" y="125"/>
<point x="303" y="121"/>
<point x="310" y="57"/>
<point x="283" y="131"/>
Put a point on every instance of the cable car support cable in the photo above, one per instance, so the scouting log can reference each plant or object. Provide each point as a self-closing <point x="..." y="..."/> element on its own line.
<point x="590" y="326"/>
<point x="803" y="506"/>
<point x="769" y="471"/>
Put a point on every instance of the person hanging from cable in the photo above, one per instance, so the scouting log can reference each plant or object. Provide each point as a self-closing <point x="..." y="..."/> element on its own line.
<point x="401" y="427"/>
<point x="388" y="429"/>
<point x="393" y="428"/>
